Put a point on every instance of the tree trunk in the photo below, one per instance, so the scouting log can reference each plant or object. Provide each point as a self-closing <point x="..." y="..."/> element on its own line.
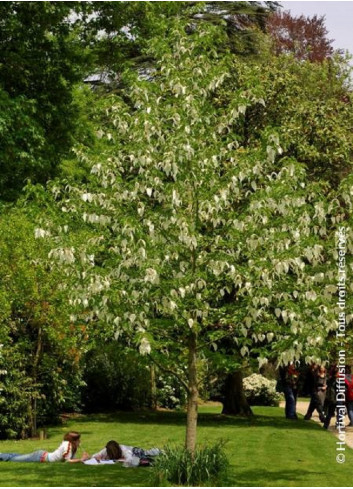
<point x="34" y="418"/>
<point x="33" y="413"/>
<point x="153" y="387"/>
<point x="234" y="401"/>
<point x="191" y="423"/>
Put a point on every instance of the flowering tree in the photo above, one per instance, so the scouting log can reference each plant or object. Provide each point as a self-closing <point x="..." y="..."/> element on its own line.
<point x="194" y="238"/>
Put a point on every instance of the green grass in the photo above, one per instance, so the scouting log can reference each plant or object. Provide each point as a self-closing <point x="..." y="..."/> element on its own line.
<point x="267" y="450"/>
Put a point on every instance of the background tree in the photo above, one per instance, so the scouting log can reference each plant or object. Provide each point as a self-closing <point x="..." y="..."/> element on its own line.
<point x="304" y="37"/>
<point x="121" y="32"/>
<point x="41" y="60"/>
<point x="309" y="106"/>
<point x="41" y="347"/>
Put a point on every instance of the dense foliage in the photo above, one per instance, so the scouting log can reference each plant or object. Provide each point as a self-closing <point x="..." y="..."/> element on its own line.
<point x="122" y="31"/>
<point x="40" y="349"/>
<point x="304" y="37"/>
<point x="41" y="60"/>
<point x="116" y="378"/>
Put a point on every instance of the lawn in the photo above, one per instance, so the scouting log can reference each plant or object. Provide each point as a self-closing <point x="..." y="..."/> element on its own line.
<point x="267" y="450"/>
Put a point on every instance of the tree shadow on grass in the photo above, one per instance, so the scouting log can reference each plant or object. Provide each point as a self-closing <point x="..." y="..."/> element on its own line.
<point x="204" y="419"/>
<point x="71" y="475"/>
<point x="296" y="478"/>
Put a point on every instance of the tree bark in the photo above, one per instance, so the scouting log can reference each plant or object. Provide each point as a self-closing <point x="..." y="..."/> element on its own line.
<point x="36" y="360"/>
<point x="153" y="387"/>
<point x="234" y="401"/>
<point x="191" y="423"/>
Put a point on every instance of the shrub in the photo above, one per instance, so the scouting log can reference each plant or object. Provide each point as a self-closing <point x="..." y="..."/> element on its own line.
<point x="260" y="391"/>
<point x="176" y="466"/>
<point x="15" y="395"/>
<point x="116" y="378"/>
<point x="170" y="394"/>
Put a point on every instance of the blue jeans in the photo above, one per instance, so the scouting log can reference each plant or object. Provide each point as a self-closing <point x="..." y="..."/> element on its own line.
<point x="290" y="395"/>
<point x="141" y="452"/>
<point x="350" y="411"/>
<point x="27" y="457"/>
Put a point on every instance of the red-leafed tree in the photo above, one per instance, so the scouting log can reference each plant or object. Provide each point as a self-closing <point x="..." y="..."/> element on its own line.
<point x="305" y="37"/>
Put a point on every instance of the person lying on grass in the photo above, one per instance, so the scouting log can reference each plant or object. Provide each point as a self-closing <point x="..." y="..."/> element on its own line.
<point x="130" y="456"/>
<point x="64" y="453"/>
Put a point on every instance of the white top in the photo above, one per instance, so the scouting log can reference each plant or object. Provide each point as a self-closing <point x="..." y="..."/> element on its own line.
<point x="63" y="453"/>
<point x="93" y="461"/>
<point x="129" y="459"/>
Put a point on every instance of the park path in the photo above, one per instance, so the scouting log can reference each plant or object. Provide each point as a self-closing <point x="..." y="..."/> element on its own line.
<point x="302" y="407"/>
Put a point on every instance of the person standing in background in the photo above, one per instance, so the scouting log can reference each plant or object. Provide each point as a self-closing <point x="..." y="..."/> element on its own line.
<point x="290" y="377"/>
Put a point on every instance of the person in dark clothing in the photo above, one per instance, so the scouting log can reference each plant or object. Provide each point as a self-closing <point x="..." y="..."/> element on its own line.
<point x="309" y="379"/>
<point x="318" y="393"/>
<point x="331" y="398"/>
<point x="289" y="377"/>
<point x="309" y="388"/>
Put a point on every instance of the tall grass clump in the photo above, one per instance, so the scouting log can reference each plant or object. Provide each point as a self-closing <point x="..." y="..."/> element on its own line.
<point x="177" y="466"/>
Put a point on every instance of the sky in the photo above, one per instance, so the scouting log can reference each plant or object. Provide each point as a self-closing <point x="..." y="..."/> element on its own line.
<point x="339" y="18"/>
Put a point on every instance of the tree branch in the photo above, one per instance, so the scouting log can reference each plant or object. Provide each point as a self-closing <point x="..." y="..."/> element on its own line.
<point x="172" y="372"/>
<point x="207" y="343"/>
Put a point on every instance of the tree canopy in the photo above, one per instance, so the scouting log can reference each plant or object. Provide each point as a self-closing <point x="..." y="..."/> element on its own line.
<point x="41" y="60"/>
<point x="304" y="37"/>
